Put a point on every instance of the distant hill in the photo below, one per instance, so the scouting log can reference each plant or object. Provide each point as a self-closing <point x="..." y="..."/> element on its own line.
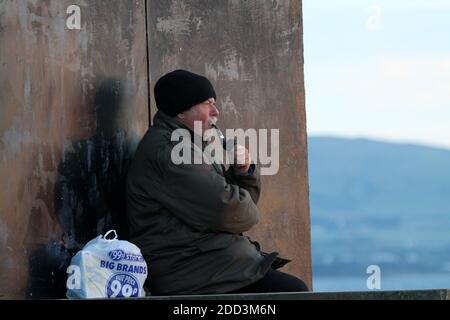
<point x="378" y="203"/>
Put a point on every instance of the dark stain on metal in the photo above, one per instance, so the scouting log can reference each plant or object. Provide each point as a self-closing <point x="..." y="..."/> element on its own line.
<point x="91" y="177"/>
<point x="88" y="193"/>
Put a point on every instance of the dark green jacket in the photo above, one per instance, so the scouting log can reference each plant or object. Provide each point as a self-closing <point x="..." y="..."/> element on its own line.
<point x="188" y="220"/>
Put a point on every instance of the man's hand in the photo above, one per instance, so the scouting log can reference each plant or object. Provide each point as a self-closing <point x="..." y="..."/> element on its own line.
<point x="243" y="160"/>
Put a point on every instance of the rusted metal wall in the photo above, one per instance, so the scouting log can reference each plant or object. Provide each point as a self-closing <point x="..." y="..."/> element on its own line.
<point x="73" y="104"/>
<point x="253" y="52"/>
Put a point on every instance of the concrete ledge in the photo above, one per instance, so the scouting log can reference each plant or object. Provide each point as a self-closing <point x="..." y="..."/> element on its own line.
<point x="435" y="294"/>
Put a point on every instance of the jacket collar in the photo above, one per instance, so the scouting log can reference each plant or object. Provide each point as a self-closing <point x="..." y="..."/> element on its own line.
<point x="163" y="120"/>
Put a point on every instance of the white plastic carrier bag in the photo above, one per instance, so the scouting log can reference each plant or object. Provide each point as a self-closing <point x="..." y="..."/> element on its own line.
<point x="107" y="268"/>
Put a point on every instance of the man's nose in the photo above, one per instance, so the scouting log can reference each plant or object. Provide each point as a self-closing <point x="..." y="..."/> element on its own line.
<point x="214" y="111"/>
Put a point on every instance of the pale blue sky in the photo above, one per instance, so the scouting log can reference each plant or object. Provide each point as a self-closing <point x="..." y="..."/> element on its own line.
<point x="378" y="69"/>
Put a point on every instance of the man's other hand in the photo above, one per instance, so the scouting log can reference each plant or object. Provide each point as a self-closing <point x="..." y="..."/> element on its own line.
<point x="243" y="160"/>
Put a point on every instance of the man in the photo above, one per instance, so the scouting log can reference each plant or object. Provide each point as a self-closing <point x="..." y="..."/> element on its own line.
<point x="188" y="219"/>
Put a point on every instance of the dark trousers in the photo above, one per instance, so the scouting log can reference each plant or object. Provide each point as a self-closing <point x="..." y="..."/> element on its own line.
<point x="275" y="281"/>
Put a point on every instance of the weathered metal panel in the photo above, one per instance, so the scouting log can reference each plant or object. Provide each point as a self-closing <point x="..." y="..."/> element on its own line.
<point x="253" y="53"/>
<point x="73" y="104"/>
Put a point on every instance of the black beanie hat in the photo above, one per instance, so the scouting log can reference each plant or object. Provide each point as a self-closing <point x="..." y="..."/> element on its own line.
<point x="179" y="90"/>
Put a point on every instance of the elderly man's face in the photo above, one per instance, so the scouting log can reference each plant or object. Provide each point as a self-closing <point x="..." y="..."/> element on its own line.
<point x="206" y="112"/>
